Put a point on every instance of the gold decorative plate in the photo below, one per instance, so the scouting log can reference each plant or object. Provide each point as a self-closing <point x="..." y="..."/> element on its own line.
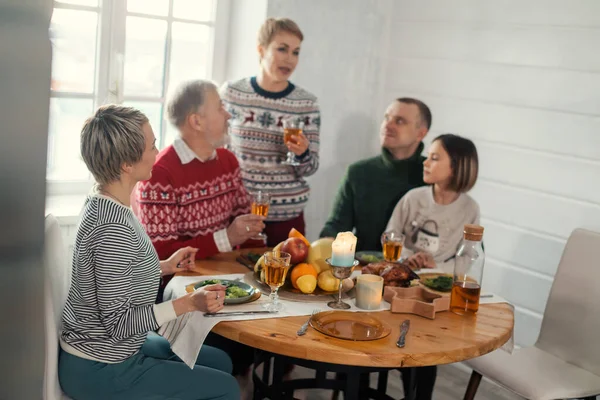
<point x="346" y="325"/>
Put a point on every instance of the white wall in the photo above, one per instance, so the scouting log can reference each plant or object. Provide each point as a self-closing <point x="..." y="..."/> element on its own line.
<point x="519" y="78"/>
<point x="246" y="17"/>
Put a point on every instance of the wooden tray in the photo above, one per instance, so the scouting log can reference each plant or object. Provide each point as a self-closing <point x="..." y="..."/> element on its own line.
<point x="415" y="300"/>
<point x="346" y="325"/>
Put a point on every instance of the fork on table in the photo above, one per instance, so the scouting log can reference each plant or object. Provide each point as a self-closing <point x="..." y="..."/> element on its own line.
<point x="304" y="326"/>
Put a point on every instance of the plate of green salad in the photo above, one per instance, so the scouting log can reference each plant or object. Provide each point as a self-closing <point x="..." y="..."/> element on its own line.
<point x="368" y="257"/>
<point x="237" y="292"/>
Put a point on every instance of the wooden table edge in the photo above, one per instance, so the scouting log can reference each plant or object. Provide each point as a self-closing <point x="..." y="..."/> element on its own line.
<point x="403" y="358"/>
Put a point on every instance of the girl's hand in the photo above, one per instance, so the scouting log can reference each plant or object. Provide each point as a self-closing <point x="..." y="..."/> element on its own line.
<point x="181" y="260"/>
<point x="298" y="145"/>
<point x="209" y="298"/>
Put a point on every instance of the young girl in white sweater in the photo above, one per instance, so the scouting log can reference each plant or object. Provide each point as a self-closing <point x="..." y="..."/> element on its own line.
<point x="432" y="217"/>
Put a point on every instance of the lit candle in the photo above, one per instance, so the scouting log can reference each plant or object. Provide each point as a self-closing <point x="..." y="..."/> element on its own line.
<point x="342" y="249"/>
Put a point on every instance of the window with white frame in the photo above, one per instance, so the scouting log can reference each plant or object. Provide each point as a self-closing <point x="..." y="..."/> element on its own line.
<point x="128" y="52"/>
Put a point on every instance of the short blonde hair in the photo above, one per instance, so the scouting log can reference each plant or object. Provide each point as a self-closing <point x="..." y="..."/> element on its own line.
<point x="464" y="161"/>
<point x="113" y="136"/>
<point x="188" y="97"/>
<point x="272" y="26"/>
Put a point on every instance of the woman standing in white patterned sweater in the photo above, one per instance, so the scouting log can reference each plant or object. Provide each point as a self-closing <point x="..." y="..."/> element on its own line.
<point x="259" y="106"/>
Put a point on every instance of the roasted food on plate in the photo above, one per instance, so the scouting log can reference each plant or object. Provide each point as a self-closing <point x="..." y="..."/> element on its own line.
<point x="393" y="274"/>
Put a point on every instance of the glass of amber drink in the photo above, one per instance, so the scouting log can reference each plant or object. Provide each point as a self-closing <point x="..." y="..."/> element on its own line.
<point x="276" y="266"/>
<point x="292" y="127"/>
<point x="392" y="243"/>
<point x="260" y="206"/>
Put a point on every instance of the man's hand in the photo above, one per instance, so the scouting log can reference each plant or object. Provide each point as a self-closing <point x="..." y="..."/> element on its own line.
<point x="244" y="227"/>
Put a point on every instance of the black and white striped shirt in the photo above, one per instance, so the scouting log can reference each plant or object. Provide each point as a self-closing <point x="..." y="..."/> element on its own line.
<point x="116" y="271"/>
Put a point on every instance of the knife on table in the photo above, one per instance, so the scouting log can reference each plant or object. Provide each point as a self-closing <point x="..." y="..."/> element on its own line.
<point x="403" y="331"/>
<point x="233" y="313"/>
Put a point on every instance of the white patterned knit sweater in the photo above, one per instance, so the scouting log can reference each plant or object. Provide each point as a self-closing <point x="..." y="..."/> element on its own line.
<point x="257" y="141"/>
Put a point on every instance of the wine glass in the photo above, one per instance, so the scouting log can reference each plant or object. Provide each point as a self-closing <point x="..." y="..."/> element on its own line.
<point x="392" y="243"/>
<point x="276" y="266"/>
<point x="260" y="206"/>
<point x="341" y="273"/>
<point x="292" y="127"/>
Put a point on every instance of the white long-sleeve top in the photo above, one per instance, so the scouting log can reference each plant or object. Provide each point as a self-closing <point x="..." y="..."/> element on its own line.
<point x="443" y="225"/>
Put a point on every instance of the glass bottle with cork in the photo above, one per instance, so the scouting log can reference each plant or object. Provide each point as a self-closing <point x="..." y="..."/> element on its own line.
<point x="468" y="272"/>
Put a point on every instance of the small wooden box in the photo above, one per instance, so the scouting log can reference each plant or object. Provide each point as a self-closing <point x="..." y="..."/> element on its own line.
<point x="415" y="300"/>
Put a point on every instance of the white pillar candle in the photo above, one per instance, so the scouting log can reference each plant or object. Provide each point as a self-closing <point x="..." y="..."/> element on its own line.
<point x="342" y="249"/>
<point x="369" y="289"/>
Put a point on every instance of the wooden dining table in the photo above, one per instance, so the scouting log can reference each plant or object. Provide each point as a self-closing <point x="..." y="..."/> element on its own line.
<point x="446" y="339"/>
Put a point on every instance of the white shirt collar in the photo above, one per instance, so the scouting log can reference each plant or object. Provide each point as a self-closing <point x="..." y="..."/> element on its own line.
<point x="187" y="155"/>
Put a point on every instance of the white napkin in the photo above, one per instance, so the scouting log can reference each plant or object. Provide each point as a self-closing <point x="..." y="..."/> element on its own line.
<point x="188" y="332"/>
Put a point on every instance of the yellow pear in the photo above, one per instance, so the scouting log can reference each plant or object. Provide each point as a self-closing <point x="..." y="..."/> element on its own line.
<point x="319" y="251"/>
<point x="327" y="281"/>
<point x="307" y="283"/>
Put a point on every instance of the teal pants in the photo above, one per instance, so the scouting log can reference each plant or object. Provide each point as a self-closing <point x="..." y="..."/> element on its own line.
<point x="155" y="372"/>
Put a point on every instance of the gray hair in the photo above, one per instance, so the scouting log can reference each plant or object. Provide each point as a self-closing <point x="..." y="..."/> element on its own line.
<point x="112" y="137"/>
<point x="187" y="98"/>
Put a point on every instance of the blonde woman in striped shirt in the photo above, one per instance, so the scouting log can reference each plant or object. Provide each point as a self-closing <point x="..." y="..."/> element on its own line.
<point x="108" y="346"/>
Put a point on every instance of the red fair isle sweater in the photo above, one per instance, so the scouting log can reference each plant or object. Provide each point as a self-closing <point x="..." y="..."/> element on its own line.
<point x="185" y="204"/>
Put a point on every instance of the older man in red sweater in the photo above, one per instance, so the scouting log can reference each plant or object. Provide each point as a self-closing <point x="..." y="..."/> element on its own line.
<point x="195" y="196"/>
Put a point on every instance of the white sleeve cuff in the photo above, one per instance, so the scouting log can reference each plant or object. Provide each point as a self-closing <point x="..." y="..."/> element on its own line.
<point x="222" y="241"/>
<point x="164" y="312"/>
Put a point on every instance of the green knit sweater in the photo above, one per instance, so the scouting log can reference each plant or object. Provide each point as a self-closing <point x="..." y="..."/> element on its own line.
<point x="368" y="194"/>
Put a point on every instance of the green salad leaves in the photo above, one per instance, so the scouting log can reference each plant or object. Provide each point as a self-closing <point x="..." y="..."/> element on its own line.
<point x="441" y="283"/>
<point x="232" y="292"/>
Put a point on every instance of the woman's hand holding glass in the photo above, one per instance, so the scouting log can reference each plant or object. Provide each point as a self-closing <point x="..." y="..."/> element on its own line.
<point x="294" y="139"/>
<point x="298" y="145"/>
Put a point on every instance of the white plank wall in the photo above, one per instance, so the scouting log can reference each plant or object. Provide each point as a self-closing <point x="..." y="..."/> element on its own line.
<point x="520" y="78"/>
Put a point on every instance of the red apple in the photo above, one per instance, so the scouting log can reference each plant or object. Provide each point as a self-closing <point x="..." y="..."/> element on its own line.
<point x="297" y="249"/>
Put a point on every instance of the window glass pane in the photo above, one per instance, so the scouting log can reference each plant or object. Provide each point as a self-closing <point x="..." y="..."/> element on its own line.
<point x="199" y="10"/>
<point x="151" y="7"/>
<point x="144" y="56"/>
<point x="154" y="113"/>
<point x="93" y="3"/>
<point x="170" y="135"/>
<point x="66" y="120"/>
<point x="189" y="52"/>
<point x="73" y="35"/>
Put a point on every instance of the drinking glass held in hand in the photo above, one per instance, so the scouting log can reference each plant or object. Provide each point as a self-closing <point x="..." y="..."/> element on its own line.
<point x="260" y="206"/>
<point x="292" y="127"/>
<point x="276" y="266"/>
<point x="392" y="243"/>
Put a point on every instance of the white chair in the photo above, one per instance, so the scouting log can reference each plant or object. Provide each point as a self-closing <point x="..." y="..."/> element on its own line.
<point x="57" y="279"/>
<point x="564" y="363"/>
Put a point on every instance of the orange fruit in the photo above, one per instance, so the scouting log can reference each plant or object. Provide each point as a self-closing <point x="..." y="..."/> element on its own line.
<point x="294" y="233"/>
<point x="301" y="270"/>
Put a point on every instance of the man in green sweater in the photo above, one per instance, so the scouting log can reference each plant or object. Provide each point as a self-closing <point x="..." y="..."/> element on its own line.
<point x="371" y="188"/>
